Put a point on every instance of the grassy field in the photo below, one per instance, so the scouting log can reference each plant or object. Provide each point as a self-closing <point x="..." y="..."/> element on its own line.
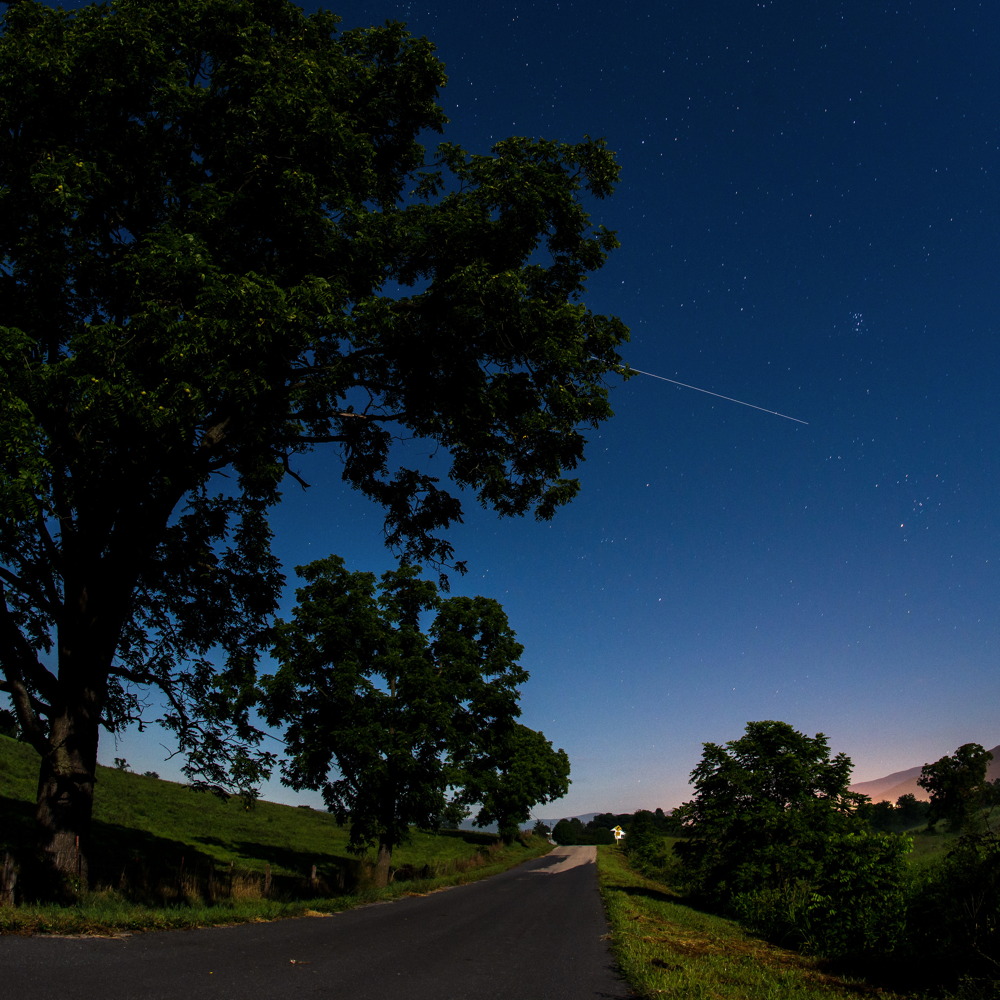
<point x="165" y="855"/>
<point x="668" y="950"/>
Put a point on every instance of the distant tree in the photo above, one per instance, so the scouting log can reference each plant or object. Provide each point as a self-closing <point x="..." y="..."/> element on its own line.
<point x="507" y="770"/>
<point x="910" y="811"/>
<point x="641" y="835"/>
<point x="608" y="820"/>
<point x="541" y="829"/>
<point x="382" y="689"/>
<point x="907" y="812"/>
<point x="569" y="831"/>
<point x="599" y="831"/>
<point x="957" y="786"/>
<point x="450" y="817"/>
<point x="668" y="823"/>
<point x="641" y="824"/>
<point x="879" y="815"/>
<point x="223" y="246"/>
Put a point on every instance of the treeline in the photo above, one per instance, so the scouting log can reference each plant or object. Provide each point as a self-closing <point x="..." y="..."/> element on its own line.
<point x="599" y="830"/>
<point x="774" y="839"/>
<point x="907" y="812"/>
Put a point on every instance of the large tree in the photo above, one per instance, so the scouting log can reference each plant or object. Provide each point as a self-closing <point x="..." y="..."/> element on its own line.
<point x="221" y="245"/>
<point x="773" y="835"/>
<point x="762" y="805"/>
<point x="383" y="689"/>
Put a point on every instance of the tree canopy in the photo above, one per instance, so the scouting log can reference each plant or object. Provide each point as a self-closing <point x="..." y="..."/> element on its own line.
<point x="222" y="245"/>
<point x="391" y="697"/>
<point x="760" y="803"/>
<point x="773" y="836"/>
<point x="507" y="770"/>
<point x="957" y="785"/>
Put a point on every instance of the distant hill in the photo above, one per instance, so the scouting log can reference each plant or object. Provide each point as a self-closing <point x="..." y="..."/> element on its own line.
<point x="889" y="788"/>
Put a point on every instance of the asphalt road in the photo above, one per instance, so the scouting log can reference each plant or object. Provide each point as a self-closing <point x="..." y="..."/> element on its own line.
<point x="536" y="932"/>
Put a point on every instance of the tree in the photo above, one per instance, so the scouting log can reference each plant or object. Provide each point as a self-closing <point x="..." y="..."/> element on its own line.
<point x="762" y="805"/>
<point x="509" y="770"/>
<point x="222" y="246"/>
<point x="569" y="831"/>
<point x="957" y="785"/>
<point x="910" y="811"/>
<point x="773" y="836"/>
<point x="381" y="710"/>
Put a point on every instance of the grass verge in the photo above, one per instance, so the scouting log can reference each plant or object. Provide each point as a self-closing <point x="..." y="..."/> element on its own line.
<point x="108" y="913"/>
<point x="164" y="856"/>
<point x="668" y="950"/>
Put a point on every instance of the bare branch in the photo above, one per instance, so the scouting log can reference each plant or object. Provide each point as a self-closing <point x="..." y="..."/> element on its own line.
<point x="289" y="471"/>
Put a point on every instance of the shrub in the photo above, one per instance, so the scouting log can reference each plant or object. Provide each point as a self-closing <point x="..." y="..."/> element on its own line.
<point x="854" y="906"/>
<point x="955" y="918"/>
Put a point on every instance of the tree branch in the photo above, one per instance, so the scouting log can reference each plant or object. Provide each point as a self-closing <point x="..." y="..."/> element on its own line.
<point x="18" y="661"/>
<point x="35" y="593"/>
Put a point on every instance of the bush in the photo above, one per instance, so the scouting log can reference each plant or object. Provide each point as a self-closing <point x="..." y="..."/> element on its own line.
<point x="857" y="906"/>
<point x="853" y="907"/>
<point x="648" y="851"/>
<point x="775" y="837"/>
<point x="955" y="917"/>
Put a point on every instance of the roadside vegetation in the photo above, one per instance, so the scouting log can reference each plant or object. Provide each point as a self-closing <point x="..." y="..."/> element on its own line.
<point x="774" y="852"/>
<point x="169" y="857"/>
<point x="668" y="949"/>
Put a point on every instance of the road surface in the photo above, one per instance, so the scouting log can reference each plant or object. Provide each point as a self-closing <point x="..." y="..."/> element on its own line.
<point x="536" y="932"/>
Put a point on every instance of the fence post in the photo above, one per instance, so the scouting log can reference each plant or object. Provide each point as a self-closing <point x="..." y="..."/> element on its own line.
<point x="267" y="880"/>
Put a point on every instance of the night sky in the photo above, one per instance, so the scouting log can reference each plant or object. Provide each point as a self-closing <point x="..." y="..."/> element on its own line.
<point x="808" y="215"/>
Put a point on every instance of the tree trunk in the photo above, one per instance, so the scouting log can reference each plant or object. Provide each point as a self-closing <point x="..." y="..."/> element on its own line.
<point x="382" y="865"/>
<point x="66" y="798"/>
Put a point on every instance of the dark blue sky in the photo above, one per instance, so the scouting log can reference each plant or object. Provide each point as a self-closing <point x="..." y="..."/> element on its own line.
<point x="808" y="215"/>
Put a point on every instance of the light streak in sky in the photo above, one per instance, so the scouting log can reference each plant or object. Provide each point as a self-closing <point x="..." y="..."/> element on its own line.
<point x="719" y="395"/>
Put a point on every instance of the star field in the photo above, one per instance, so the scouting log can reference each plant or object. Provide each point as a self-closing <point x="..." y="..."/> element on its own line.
<point x="808" y="215"/>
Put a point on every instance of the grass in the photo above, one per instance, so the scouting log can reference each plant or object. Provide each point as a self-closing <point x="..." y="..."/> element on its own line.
<point x="929" y="848"/>
<point x="668" y="950"/>
<point x="108" y="912"/>
<point x="165" y="856"/>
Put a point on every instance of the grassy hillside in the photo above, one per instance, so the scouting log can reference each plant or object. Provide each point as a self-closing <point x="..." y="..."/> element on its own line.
<point x="160" y="842"/>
